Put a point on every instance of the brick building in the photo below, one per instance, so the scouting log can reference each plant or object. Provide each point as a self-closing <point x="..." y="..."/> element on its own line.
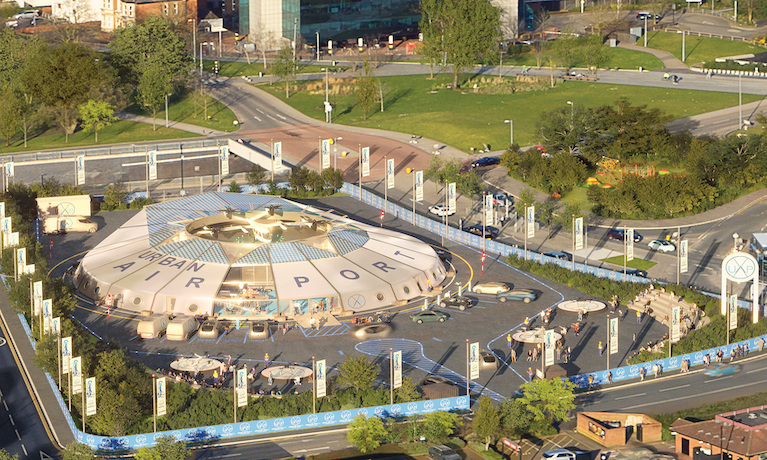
<point x="119" y="13"/>
<point x="739" y="435"/>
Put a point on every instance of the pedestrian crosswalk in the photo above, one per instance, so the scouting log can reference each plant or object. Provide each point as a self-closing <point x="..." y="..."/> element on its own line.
<point x="326" y="331"/>
<point x="412" y="355"/>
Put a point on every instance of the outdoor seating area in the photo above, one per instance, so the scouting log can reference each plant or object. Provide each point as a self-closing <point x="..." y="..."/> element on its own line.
<point x="658" y="303"/>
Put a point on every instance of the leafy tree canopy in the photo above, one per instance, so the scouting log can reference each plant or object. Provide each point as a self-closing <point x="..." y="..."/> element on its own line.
<point x="366" y="433"/>
<point x="357" y="372"/>
<point x="548" y="400"/>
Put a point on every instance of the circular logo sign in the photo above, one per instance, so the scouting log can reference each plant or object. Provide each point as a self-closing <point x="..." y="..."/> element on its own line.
<point x="140" y="440"/>
<point x="412" y="407"/>
<point x="329" y="417"/>
<point x="346" y="414"/>
<point x="312" y="418"/>
<point x="261" y="425"/>
<point x="633" y="370"/>
<point x="295" y="421"/>
<point x="428" y="405"/>
<point x="227" y="429"/>
<point x="363" y="412"/>
<point x="739" y="266"/>
<point x="279" y="423"/>
<point x="244" y="427"/>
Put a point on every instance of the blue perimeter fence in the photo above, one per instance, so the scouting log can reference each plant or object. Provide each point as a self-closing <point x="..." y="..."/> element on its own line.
<point x="475" y="241"/>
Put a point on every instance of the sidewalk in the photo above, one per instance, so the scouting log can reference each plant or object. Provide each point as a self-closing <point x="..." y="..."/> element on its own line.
<point x="171" y="124"/>
<point x="670" y="62"/>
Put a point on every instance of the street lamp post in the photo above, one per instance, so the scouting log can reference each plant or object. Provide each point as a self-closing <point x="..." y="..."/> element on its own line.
<point x="645" y="32"/>
<point x="166" y="109"/>
<point x="511" y="131"/>
<point x="572" y="111"/>
<point x="335" y="151"/>
<point x="194" y="39"/>
<point x="318" y="45"/>
<point x="740" y="103"/>
<point x="328" y="113"/>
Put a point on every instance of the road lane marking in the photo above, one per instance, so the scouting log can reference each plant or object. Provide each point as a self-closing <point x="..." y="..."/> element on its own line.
<point x="631" y="396"/>
<point x="718" y="379"/>
<point x="223" y="456"/>
<point x="698" y="395"/>
<point x="673" y="388"/>
<point x="438" y="340"/>
<point x="756" y="370"/>
<point x="11" y="417"/>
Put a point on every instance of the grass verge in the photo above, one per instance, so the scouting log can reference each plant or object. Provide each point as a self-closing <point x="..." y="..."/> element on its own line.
<point x="699" y="49"/>
<point x="182" y="109"/>
<point x="620" y="58"/>
<point x="639" y="264"/>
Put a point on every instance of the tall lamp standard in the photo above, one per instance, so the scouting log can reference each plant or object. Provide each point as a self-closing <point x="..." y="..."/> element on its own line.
<point x="166" y="109"/>
<point x="572" y="111"/>
<point x="328" y="108"/>
<point x="194" y="39"/>
<point x="511" y="131"/>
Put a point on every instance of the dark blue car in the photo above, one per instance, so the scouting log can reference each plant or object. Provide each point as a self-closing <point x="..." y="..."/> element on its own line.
<point x="485" y="161"/>
<point x="618" y="234"/>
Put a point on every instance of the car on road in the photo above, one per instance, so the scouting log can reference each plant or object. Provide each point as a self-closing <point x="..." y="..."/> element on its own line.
<point x="209" y="329"/>
<point x="559" y="255"/>
<point x="566" y="454"/>
<point x="485" y="161"/>
<point x="649" y="16"/>
<point x="491" y="287"/>
<point x="662" y="246"/>
<point x="258" y="330"/>
<point x="461" y="303"/>
<point x="500" y="199"/>
<point x="487" y="360"/>
<point x="618" y="234"/>
<point x="428" y="315"/>
<point x="443" y="453"/>
<point x="490" y="232"/>
<point x="525" y="295"/>
<point x="636" y="272"/>
<point x="27" y="14"/>
<point x="372" y="331"/>
<point x="441" y="210"/>
<point x="721" y="370"/>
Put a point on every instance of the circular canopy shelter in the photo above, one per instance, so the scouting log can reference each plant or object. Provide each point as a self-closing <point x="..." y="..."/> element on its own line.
<point x="246" y="256"/>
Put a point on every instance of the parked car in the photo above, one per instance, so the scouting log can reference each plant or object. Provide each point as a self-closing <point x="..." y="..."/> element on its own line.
<point x="487" y="360"/>
<point x="209" y="329"/>
<point x="559" y="255"/>
<point x="662" y="246"/>
<point x="12" y="23"/>
<point x="722" y="369"/>
<point x="635" y="272"/>
<point x="525" y="295"/>
<point x="485" y="161"/>
<point x="500" y="199"/>
<point x="27" y="14"/>
<point x="490" y="232"/>
<point x="372" y="331"/>
<point x="491" y="287"/>
<point x="443" y="453"/>
<point x="566" y="454"/>
<point x="441" y="210"/>
<point x="428" y="315"/>
<point x="258" y="330"/>
<point x="617" y="234"/>
<point x="461" y="303"/>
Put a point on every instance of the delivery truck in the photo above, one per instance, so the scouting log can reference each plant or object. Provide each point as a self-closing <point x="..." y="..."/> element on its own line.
<point x="63" y="224"/>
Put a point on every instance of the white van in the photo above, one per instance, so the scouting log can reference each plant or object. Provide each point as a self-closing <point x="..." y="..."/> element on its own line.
<point x="154" y="326"/>
<point x="182" y="327"/>
<point x="62" y="224"/>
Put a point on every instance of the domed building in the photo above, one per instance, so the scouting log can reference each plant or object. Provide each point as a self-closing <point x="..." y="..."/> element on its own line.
<point x="255" y="257"/>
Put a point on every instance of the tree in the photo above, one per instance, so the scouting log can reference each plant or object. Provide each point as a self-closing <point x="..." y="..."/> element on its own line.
<point x="486" y="420"/>
<point x="284" y="67"/>
<point x="166" y="448"/>
<point x="366" y="89"/>
<point x="332" y="179"/>
<point x="9" y="113"/>
<point x="566" y="172"/>
<point x="566" y="49"/>
<point x="4" y="455"/>
<point x="595" y="54"/>
<point x="433" y="171"/>
<point x="97" y="116"/>
<point x="153" y="86"/>
<point x="440" y="424"/>
<point x="62" y="77"/>
<point x="463" y="30"/>
<point x="149" y="44"/>
<point x="408" y="392"/>
<point x="515" y="416"/>
<point x="546" y="214"/>
<point x="257" y="176"/>
<point x="115" y="196"/>
<point x="365" y="433"/>
<point x="263" y="39"/>
<point x="564" y="128"/>
<point x="234" y="187"/>
<point x="357" y="372"/>
<point x="548" y="400"/>
<point x="77" y="451"/>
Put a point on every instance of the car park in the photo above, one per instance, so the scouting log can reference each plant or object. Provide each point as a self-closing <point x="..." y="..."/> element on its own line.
<point x="485" y="161"/>
<point x="489" y="232"/>
<point x="428" y="315"/>
<point x="618" y="234"/>
<point x="372" y="331"/>
<point x="636" y="272"/>
<point x="721" y="370"/>
<point x="559" y="255"/>
<point x="258" y="330"/>
<point x="525" y="295"/>
<point x="461" y="303"/>
<point x="209" y="329"/>
<point x="662" y="246"/>
<point x="443" y="453"/>
<point x="441" y="210"/>
<point x="487" y="360"/>
<point x="491" y="287"/>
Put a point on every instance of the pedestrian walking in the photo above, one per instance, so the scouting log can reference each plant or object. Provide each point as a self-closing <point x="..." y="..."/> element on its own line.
<point x="215" y="377"/>
<point x="761" y="344"/>
<point x="530" y="354"/>
<point x="284" y="329"/>
<point x="567" y="355"/>
<point x="642" y="372"/>
<point x="580" y="315"/>
<point x="745" y="350"/>
<point x="311" y="322"/>
<point x="732" y="354"/>
<point x="577" y="329"/>
<point x="708" y="74"/>
<point x="509" y="340"/>
<point x="591" y="381"/>
<point x="610" y="378"/>
<point x="271" y="381"/>
<point x="266" y="360"/>
<point x="530" y="374"/>
<point x="634" y="338"/>
<point x="655" y="370"/>
<point x="600" y="348"/>
<point x="639" y="316"/>
<point x="513" y="356"/>
<point x="559" y="352"/>
<point x="527" y="323"/>
<point x="535" y="355"/>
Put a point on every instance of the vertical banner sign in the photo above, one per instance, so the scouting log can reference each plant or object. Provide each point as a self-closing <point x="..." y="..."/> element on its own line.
<point x="530" y="211"/>
<point x="489" y="210"/>
<point x="152" y="158"/>
<point x="2" y="209"/>
<point x="14" y="239"/>
<point x="66" y="354"/>
<point x="29" y="269"/>
<point x="321" y="379"/>
<point x="56" y="326"/>
<point x="418" y="186"/>
<point x="579" y="233"/>
<point x="549" y="354"/>
<point x="9" y="170"/>
<point x="629" y="245"/>
<point x="613" y="335"/>
<point x="325" y="153"/>
<point x="683" y="256"/>
<point x="47" y="315"/>
<point x="80" y="165"/>
<point x="365" y="161"/>
<point x="161" y="389"/>
<point x="90" y="396"/>
<point x="21" y="261"/>
<point x="37" y="295"/>
<point x="451" y="197"/>
<point x="7" y="227"/>
<point x="397" y="363"/>
<point x="474" y="361"/>
<point x="675" y="324"/>
<point x="390" y="173"/>
<point x="224" y="161"/>
<point x="277" y="155"/>
<point x="77" y="375"/>
<point x="242" y="387"/>
<point x="733" y="312"/>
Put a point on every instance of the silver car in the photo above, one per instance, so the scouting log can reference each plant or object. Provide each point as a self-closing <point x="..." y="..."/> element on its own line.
<point x="258" y="330"/>
<point x="209" y="329"/>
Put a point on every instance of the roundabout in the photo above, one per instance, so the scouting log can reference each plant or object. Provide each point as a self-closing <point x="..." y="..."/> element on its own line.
<point x="582" y="306"/>
<point x="535" y="336"/>
<point x="286" y="374"/>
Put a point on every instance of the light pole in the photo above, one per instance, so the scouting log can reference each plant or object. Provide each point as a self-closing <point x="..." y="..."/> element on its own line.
<point x="412" y="171"/>
<point x="318" y="45"/>
<point x="740" y="103"/>
<point x="166" y="109"/>
<point x="683" y="43"/>
<point x="335" y="152"/>
<point x="511" y="131"/>
<point x="41" y="179"/>
<point x="194" y="38"/>
<point x="572" y="111"/>
<point x="645" y="32"/>
<point x="327" y="102"/>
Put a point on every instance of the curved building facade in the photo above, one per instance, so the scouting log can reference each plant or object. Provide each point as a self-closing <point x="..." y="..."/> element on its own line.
<point x="253" y="256"/>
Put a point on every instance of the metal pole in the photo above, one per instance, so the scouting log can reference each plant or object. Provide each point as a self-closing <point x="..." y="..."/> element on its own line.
<point x="154" y="402"/>
<point x="166" y="110"/>
<point x="467" y="368"/>
<point x="678" y="254"/>
<point x="543" y="357"/>
<point x="58" y="355"/>
<point x="200" y="60"/>
<point x="69" y="381"/>
<point x="194" y="40"/>
<point x="511" y="132"/>
<point x="359" y="162"/>
<point x="572" y="265"/>
<point x="146" y="157"/>
<point x="219" y="44"/>
<point x="447" y="187"/>
<point x="645" y="33"/>
<point x="607" y="348"/>
<point x="625" y="249"/>
<point x="413" y="220"/>
<point x="234" y="393"/>
<point x="318" y="45"/>
<point x="314" y="387"/>
<point x="391" y="375"/>
<point x="271" y="141"/>
<point x="327" y="101"/>
<point x="386" y="187"/>
<point x="220" y="166"/>
<point x="683" y="44"/>
<point x="740" y="103"/>
<point x="82" y="393"/>
<point x="526" y="224"/>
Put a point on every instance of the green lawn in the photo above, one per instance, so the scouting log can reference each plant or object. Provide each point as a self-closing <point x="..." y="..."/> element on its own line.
<point x="620" y="58"/>
<point x="182" y="110"/>
<point x="639" y="264"/>
<point x="243" y="69"/>
<point x="121" y="131"/>
<point x="698" y="49"/>
<point x="467" y="119"/>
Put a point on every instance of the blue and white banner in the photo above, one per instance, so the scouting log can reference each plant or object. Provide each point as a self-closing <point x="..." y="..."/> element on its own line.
<point x="90" y="396"/>
<point x="151" y="158"/>
<point x="80" y="166"/>
<point x="2" y="209"/>
<point x="161" y="391"/>
<point x="325" y="152"/>
<point x="224" y="156"/>
<point x="578" y="233"/>
<point x="675" y="326"/>
<point x="397" y="371"/>
<point x="9" y="171"/>
<point x="629" y="245"/>
<point x="733" y="312"/>
<point x="365" y="161"/>
<point x="66" y="354"/>
<point x="242" y="387"/>
<point x="683" y="256"/>
<point x="548" y="356"/>
<point x="37" y="296"/>
<point x="474" y="361"/>
<point x="613" y="335"/>
<point x="56" y="326"/>
<point x="77" y="375"/>
<point x="451" y="197"/>
<point x="390" y="173"/>
<point x="277" y="155"/>
<point x="418" y="186"/>
<point x="47" y="314"/>
<point x="21" y="263"/>
<point x="321" y="378"/>
<point x="530" y="212"/>
<point x="489" y="210"/>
